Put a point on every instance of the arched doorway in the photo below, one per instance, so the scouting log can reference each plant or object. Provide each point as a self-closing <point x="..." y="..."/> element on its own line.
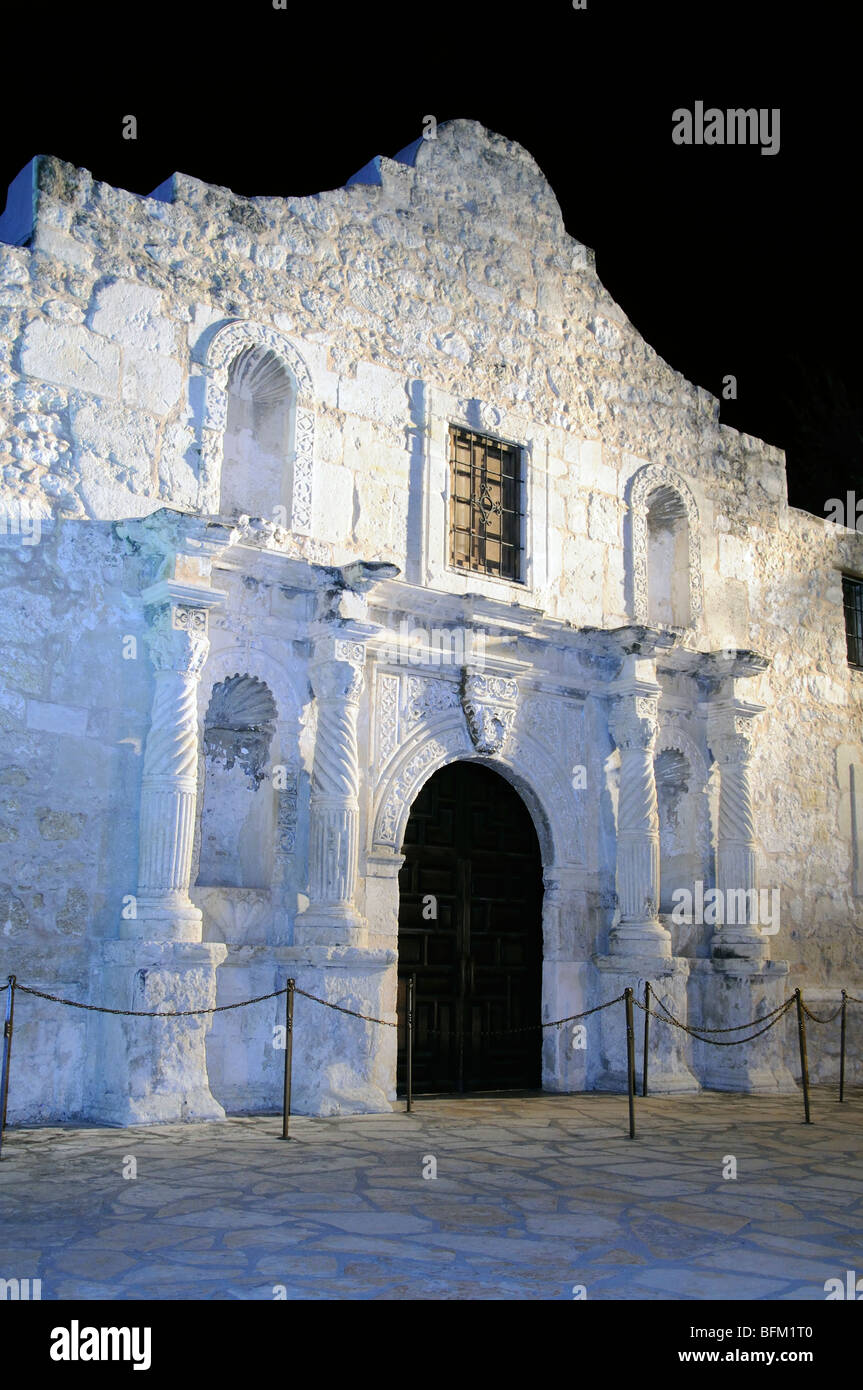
<point x="470" y="930"/>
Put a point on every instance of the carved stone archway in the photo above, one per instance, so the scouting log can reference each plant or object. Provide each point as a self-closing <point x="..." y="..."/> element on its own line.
<point x="527" y="766"/>
<point x="524" y="763"/>
<point x="642" y="486"/>
<point x="224" y="347"/>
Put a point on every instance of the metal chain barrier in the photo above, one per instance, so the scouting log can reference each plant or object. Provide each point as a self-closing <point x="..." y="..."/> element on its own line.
<point x="715" y="1042"/>
<point x="385" y="1022"/>
<point x="769" y="1020"/>
<point x="816" y="1019"/>
<point x="150" y="1013"/>
<point x="530" y="1027"/>
<point x="737" y="1026"/>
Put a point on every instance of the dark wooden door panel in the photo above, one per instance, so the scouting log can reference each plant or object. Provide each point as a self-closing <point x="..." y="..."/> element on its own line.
<point x="471" y="856"/>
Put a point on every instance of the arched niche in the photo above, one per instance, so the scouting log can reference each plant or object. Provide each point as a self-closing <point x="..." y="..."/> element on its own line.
<point x="665" y="551"/>
<point x="238" y="814"/>
<point x="257" y="437"/>
<point x="684" y="823"/>
<point x="257" y="470"/>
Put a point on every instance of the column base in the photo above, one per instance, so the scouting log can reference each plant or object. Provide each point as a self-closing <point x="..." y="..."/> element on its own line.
<point x="648" y="938"/>
<point x="735" y="990"/>
<point x="669" y="1068"/>
<point x="739" y="943"/>
<point x="163" y="919"/>
<point x="152" y="1070"/>
<point x="342" y="1065"/>
<point x="325" y="925"/>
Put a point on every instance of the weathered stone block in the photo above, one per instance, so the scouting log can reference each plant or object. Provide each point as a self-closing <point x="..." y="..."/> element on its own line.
<point x="150" y="381"/>
<point x="132" y="315"/>
<point x="71" y="356"/>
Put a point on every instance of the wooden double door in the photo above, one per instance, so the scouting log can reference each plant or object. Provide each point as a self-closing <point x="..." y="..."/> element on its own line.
<point x="470" y="931"/>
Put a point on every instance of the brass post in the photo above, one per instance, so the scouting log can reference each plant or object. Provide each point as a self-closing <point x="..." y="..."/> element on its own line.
<point x="804" y="1064"/>
<point x="630" y="1059"/>
<point x="289" y="1051"/>
<point x="7" y="1054"/>
<point x="842" y="1048"/>
<point x="646" y="1037"/>
<point x="409" y="1059"/>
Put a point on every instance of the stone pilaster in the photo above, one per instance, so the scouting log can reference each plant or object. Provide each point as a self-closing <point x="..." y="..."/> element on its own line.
<point x="730" y="733"/>
<point x="178" y="645"/>
<point x="634" y="723"/>
<point x="331" y="917"/>
<point x="148" y="1070"/>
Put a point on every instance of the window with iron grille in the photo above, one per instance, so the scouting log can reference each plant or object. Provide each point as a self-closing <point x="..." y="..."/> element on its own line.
<point x="852" y="597"/>
<point x="486" y="517"/>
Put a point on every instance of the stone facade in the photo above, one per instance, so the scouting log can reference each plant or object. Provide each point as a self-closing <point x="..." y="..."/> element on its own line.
<point x="224" y="429"/>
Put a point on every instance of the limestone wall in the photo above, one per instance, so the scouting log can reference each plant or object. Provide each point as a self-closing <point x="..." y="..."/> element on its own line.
<point x="438" y="288"/>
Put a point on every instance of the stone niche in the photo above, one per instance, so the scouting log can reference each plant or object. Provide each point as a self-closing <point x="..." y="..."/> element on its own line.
<point x="257" y="447"/>
<point x="667" y="559"/>
<point x="239" y="810"/>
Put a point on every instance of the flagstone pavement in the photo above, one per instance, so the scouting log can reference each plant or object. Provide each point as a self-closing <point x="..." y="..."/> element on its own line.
<point x="536" y="1197"/>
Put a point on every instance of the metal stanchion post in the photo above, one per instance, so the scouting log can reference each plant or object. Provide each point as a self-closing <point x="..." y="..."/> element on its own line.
<point x="630" y="1060"/>
<point x="646" y="1037"/>
<point x="7" y="1053"/>
<point x="289" y="1050"/>
<point x="410" y="1040"/>
<point x="842" y="1048"/>
<point x="804" y="1064"/>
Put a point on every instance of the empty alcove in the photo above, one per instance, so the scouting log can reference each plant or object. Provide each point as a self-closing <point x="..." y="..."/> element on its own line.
<point x="258" y="443"/>
<point x="238" y="816"/>
<point x="668" y="593"/>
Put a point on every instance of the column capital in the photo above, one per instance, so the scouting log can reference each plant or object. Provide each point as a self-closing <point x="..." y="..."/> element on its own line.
<point x="177" y="639"/>
<point x="341" y="642"/>
<point x="730" y="731"/>
<point x="634" y="721"/>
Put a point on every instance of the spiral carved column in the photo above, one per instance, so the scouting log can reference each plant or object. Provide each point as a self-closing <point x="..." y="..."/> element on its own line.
<point x="337" y="681"/>
<point x="634" y="725"/>
<point x="177" y="643"/>
<point x="150" y="1070"/>
<point x="730" y="737"/>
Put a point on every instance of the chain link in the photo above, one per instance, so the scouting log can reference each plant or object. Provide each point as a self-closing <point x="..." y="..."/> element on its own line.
<point x="816" y="1019"/>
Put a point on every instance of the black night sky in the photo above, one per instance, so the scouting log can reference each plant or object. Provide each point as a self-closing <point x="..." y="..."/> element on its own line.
<point x="728" y="261"/>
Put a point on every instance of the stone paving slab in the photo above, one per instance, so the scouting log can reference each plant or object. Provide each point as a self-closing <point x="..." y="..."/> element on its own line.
<point x="534" y="1195"/>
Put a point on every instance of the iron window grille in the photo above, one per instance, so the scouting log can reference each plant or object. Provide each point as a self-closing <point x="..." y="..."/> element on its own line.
<point x="852" y="599"/>
<point x="486" y="512"/>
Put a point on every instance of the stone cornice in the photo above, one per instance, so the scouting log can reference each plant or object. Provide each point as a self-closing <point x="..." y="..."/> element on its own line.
<point x="176" y="592"/>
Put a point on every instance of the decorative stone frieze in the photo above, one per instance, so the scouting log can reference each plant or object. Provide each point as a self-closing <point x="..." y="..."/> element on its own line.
<point x="489" y="703"/>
